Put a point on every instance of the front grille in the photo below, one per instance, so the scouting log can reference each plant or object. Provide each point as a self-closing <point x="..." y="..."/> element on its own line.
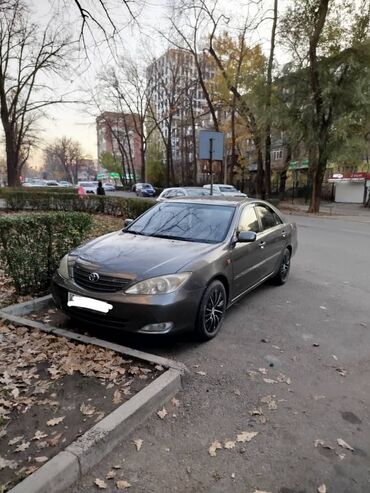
<point x="105" y="284"/>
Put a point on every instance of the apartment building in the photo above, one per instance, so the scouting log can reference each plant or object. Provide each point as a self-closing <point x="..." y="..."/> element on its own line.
<point x="117" y="135"/>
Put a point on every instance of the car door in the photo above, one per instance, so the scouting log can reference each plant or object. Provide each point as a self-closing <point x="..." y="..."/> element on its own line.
<point x="247" y="257"/>
<point x="271" y="239"/>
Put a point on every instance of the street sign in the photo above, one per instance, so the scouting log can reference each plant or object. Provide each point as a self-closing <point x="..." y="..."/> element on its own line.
<point x="211" y="145"/>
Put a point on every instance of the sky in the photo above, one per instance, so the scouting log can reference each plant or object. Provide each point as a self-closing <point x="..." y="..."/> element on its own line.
<point x="77" y="120"/>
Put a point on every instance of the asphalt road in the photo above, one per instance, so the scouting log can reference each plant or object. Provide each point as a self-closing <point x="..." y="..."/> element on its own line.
<point x="315" y="331"/>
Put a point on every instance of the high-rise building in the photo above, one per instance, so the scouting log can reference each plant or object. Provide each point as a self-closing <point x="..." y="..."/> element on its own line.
<point x="179" y="107"/>
<point x="117" y="135"/>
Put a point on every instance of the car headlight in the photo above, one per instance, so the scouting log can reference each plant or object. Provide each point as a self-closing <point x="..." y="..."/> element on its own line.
<point x="65" y="268"/>
<point x="159" y="285"/>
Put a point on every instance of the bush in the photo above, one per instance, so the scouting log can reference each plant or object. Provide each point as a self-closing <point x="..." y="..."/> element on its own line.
<point x="5" y="191"/>
<point x="32" y="245"/>
<point x="94" y="204"/>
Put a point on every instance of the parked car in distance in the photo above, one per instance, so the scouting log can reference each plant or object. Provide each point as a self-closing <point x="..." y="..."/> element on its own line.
<point x="176" y="267"/>
<point x="88" y="186"/>
<point x="145" y="190"/>
<point x="64" y="183"/>
<point x="108" y="187"/>
<point x="34" y="183"/>
<point x="225" y="190"/>
<point x="52" y="183"/>
<point x="170" y="193"/>
<point x="135" y="186"/>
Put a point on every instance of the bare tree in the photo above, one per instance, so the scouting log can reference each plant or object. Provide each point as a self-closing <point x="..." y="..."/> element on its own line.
<point x="27" y="54"/>
<point x="66" y="154"/>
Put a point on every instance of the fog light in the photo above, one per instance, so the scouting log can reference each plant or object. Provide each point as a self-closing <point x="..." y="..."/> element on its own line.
<point x="161" y="328"/>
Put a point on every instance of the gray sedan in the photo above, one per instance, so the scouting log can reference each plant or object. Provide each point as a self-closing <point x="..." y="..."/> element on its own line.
<point x="177" y="267"/>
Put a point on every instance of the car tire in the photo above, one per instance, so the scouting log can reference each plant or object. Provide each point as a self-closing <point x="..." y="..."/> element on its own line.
<point x="211" y="311"/>
<point x="282" y="274"/>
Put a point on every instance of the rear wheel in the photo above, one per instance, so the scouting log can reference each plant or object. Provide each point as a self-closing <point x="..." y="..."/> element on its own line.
<point x="211" y="311"/>
<point x="284" y="268"/>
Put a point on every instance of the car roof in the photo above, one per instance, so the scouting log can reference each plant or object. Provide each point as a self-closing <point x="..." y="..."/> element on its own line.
<point x="222" y="200"/>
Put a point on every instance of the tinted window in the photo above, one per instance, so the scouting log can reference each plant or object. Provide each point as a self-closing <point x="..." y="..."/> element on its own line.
<point x="203" y="223"/>
<point x="268" y="217"/>
<point x="248" y="220"/>
<point x="227" y="189"/>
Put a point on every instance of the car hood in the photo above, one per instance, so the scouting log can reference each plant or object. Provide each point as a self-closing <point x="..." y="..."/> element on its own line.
<point x="138" y="257"/>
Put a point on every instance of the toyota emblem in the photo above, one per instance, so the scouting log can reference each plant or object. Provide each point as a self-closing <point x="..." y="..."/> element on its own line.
<point x="94" y="277"/>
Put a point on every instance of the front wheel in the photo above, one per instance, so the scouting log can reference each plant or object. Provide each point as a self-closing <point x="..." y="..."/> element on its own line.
<point x="211" y="311"/>
<point x="284" y="268"/>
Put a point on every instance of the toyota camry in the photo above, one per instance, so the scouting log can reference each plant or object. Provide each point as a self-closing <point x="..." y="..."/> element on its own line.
<point x="178" y="266"/>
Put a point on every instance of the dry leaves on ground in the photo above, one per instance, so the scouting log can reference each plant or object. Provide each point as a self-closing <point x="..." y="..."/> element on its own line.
<point x="87" y="409"/>
<point x="229" y="444"/>
<point x="162" y="413"/>
<point x="175" y="402"/>
<point x="246" y="436"/>
<point x="344" y="444"/>
<point x="55" y="421"/>
<point x="100" y="483"/>
<point x="216" y="445"/>
<point x="138" y="443"/>
<point x="110" y="474"/>
<point x="11" y="464"/>
<point x="122" y="484"/>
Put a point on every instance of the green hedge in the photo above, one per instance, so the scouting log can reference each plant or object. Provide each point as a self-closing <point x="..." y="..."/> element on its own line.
<point x="6" y="191"/>
<point x="32" y="245"/>
<point x="94" y="204"/>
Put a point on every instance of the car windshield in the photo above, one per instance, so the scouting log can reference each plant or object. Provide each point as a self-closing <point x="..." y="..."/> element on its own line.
<point x="227" y="188"/>
<point x="204" y="223"/>
<point x="196" y="192"/>
<point x="146" y="185"/>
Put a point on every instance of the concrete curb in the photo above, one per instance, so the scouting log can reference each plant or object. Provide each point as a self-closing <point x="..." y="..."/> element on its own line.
<point x="13" y="314"/>
<point x="79" y="457"/>
<point x="69" y="465"/>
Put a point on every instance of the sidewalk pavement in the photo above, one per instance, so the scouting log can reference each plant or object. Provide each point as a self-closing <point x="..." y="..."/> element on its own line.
<point x="354" y="212"/>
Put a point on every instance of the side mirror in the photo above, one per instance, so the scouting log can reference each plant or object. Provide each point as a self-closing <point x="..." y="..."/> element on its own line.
<point x="247" y="236"/>
<point x="127" y="222"/>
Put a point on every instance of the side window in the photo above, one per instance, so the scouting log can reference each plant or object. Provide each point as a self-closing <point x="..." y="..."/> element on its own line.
<point x="268" y="217"/>
<point x="248" y="220"/>
<point x="180" y="193"/>
<point x="171" y="193"/>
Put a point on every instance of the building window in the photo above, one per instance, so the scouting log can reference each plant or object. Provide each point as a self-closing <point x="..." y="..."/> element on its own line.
<point x="277" y="154"/>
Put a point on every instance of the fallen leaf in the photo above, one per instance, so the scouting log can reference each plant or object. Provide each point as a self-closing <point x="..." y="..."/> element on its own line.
<point x="38" y="435"/>
<point x="237" y="392"/>
<point x="213" y="447"/>
<point x="321" y="489"/>
<point x="318" y="442"/>
<point x="162" y="413"/>
<point x="246" y="436"/>
<point x="344" y="444"/>
<point x="175" y="402"/>
<point x="15" y="393"/>
<point x="42" y="445"/>
<point x="269" y="380"/>
<point x="99" y="416"/>
<point x="341" y="372"/>
<point x="41" y="459"/>
<point x="263" y="371"/>
<point x="22" y="447"/>
<point x="53" y="442"/>
<point x="55" y="421"/>
<point x="100" y="484"/>
<point x="11" y="464"/>
<point x="122" y="484"/>
<point x="341" y="456"/>
<point x="117" y="397"/>
<point x="159" y="367"/>
<point x="257" y="411"/>
<point x="15" y="440"/>
<point x="138" y="442"/>
<point x="202" y="373"/>
<point x="117" y="466"/>
<point x="270" y="401"/>
<point x="87" y="409"/>
<point x="110" y="474"/>
<point x="229" y="444"/>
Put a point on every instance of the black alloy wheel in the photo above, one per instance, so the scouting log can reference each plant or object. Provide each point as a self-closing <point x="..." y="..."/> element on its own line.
<point x="211" y="311"/>
<point x="284" y="268"/>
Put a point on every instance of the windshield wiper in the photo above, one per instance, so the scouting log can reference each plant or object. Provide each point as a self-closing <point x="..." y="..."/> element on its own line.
<point x="134" y="232"/>
<point x="170" y="237"/>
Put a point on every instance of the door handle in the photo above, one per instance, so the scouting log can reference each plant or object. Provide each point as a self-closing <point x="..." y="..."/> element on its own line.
<point x="262" y="244"/>
<point x="283" y="234"/>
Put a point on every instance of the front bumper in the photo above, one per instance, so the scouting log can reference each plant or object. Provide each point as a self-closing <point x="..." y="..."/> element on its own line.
<point x="130" y="312"/>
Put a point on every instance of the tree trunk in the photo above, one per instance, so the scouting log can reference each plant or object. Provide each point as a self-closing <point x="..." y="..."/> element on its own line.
<point x="317" y="177"/>
<point x="233" y="144"/>
<point x="11" y="161"/>
<point x="268" y="161"/>
<point x="260" y="189"/>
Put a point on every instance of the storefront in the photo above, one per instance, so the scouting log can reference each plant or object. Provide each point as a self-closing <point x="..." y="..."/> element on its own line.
<point x="353" y="188"/>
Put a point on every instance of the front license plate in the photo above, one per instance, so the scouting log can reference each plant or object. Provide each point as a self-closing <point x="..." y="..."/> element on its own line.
<point x="89" y="303"/>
